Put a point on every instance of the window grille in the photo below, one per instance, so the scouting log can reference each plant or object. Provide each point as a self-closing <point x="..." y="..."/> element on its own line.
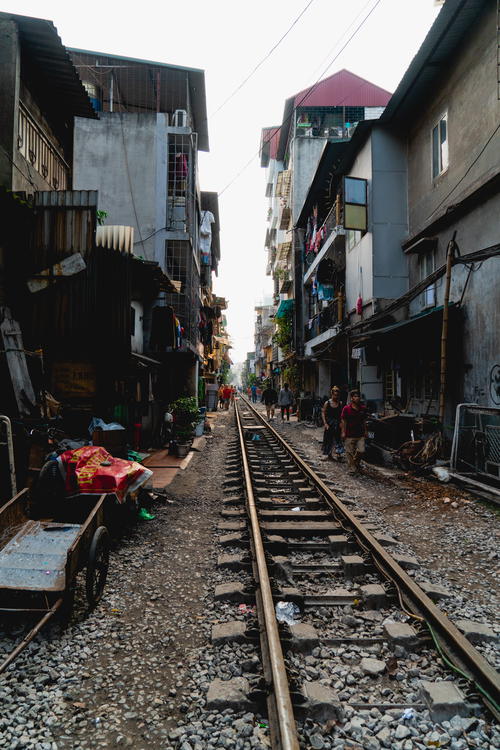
<point x="181" y="266"/>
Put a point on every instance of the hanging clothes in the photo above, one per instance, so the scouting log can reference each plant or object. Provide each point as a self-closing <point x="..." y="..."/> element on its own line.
<point x="207" y="219"/>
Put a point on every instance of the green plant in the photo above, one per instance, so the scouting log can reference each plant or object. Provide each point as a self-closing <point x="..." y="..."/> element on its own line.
<point x="186" y="415"/>
<point x="290" y="375"/>
<point x="101" y="216"/>
<point x="283" y="334"/>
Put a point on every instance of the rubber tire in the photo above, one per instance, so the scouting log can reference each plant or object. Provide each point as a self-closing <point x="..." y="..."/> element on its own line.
<point x="97" y="564"/>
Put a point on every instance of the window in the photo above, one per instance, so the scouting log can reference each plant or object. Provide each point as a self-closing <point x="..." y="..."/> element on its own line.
<point x="440" y="147"/>
<point x="353" y="236"/>
<point x="426" y="267"/>
<point x="355" y="204"/>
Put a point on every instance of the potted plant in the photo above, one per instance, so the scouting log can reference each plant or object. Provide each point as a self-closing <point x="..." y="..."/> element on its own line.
<point x="185" y="413"/>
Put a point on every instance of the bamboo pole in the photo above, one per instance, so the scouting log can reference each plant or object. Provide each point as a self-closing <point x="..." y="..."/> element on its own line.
<point x="450" y="252"/>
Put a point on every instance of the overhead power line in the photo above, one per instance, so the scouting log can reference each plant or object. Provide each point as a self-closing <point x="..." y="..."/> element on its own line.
<point x="266" y="57"/>
<point x="308" y="93"/>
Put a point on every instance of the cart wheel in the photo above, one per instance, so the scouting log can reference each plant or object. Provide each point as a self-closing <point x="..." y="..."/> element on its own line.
<point x="97" y="566"/>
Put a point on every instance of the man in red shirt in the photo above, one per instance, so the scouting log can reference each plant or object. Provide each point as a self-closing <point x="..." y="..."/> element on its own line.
<point x="353" y="431"/>
<point x="226" y="395"/>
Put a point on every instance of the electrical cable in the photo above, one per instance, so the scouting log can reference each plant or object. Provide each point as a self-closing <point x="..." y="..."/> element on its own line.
<point x="259" y="64"/>
<point x="308" y="93"/>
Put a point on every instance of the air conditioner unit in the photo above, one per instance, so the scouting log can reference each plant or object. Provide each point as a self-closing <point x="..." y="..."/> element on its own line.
<point x="180" y="119"/>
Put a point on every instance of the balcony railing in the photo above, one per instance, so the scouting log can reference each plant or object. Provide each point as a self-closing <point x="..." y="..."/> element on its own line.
<point x="333" y="220"/>
<point x="34" y="145"/>
<point x="328" y="318"/>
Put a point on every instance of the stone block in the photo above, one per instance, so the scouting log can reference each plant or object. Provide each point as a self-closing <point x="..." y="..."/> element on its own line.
<point x="232" y="540"/>
<point x="407" y="562"/>
<point x="435" y="591"/>
<point x="353" y="565"/>
<point x="384" y="539"/>
<point x="231" y="526"/>
<point x="232" y="694"/>
<point x="229" y="632"/>
<point x="232" y="562"/>
<point x="476" y="632"/>
<point x="401" y="633"/>
<point x="373" y="595"/>
<point x="372" y="667"/>
<point x="444" y="700"/>
<point x="304" y="637"/>
<point x="233" y="513"/>
<point x="231" y="592"/>
<point x="322" y="703"/>
<point x="339" y="544"/>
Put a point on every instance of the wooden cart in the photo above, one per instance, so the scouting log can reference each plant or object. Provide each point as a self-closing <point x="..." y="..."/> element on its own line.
<point x="40" y="559"/>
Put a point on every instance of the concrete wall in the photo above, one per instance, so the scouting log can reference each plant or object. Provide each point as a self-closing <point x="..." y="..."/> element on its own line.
<point x="9" y="86"/>
<point x="359" y="259"/>
<point x="123" y="156"/>
<point x="137" y="338"/>
<point x="306" y="153"/>
<point x="468" y="92"/>
<point x="389" y="215"/>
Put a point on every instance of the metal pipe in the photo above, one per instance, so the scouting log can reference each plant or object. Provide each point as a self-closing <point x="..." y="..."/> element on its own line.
<point x="10" y="449"/>
<point x="28" y="638"/>
<point x="286" y="719"/>
<point x="444" y="331"/>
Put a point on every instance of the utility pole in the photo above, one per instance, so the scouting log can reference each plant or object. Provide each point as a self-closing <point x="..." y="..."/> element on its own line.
<point x="450" y="254"/>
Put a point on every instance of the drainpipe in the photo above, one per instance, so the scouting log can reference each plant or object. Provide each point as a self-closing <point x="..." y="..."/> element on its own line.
<point x="450" y="252"/>
<point x="10" y="449"/>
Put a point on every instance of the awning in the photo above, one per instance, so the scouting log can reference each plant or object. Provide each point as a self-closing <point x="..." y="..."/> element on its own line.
<point x="284" y="306"/>
<point x="400" y="324"/>
<point x="143" y="360"/>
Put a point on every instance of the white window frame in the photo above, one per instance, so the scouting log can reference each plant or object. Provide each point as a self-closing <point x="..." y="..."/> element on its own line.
<point x="443" y="152"/>
<point x="429" y="294"/>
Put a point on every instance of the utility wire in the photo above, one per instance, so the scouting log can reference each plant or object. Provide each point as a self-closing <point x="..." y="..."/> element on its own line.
<point x="306" y="95"/>
<point x="259" y="64"/>
<point x="466" y="172"/>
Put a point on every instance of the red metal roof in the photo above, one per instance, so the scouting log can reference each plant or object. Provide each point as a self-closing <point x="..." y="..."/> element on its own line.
<point x="343" y="89"/>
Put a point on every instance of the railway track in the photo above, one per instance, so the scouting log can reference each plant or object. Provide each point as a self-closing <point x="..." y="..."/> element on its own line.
<point x="347" y="607"/>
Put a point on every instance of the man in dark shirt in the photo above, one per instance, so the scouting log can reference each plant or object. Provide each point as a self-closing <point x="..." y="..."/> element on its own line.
<point x="353" y="430"/>
<point x="269" y="398"/>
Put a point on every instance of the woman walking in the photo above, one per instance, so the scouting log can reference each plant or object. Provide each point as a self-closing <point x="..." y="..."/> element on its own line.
<point x="331" y="415"/>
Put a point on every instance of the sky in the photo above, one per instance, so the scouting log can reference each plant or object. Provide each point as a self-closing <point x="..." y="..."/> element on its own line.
<point x="227" y="39"/>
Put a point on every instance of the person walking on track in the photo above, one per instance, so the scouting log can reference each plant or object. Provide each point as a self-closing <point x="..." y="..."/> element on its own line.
<point x="253" y="390"/>
<point x="226" y="393"/>
<point x="353" y="430"/>
<point x="331" y="415"/>
<point x="285" y="400"/>
<point x="269" y="398"/>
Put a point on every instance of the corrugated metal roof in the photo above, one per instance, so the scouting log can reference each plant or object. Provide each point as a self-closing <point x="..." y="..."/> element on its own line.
<point x="451" y="25"/>
<point x="343" y="89"/>
<point x="52" y="68"/>
<point x="171" y="84"/>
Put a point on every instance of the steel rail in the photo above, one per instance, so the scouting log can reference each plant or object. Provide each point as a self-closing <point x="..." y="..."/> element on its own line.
<point x="454" y="643"/>
<point x="284" y="709"/>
